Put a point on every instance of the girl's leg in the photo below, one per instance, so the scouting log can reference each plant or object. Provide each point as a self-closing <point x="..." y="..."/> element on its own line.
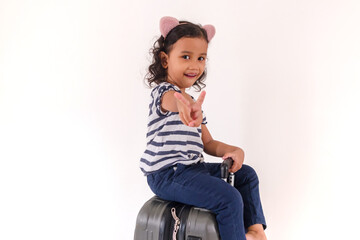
<point x="194" y="185"/>
<point x="256" y="232"/>
<point x="247" y="183"/>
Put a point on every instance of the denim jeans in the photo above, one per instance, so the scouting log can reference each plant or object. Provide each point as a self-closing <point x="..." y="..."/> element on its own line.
<point x="236" y="208"/>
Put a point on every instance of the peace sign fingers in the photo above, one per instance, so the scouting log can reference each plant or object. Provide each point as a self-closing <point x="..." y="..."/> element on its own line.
<point x="201" y="98"/>
<point x="182" y="99"/>
<point x="184" y="108"/>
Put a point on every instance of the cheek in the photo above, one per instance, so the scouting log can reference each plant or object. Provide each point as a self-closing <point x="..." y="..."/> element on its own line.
<point x="203" y="66"/>
<point x="177" y="69"/>
<point x="174" y="71"/>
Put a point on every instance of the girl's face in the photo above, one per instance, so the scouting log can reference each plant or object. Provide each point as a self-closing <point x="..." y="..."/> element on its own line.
<point x="185" y="62"/>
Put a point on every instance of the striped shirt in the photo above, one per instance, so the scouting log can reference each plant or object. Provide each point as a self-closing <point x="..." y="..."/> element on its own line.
<point x="169" y="141"/>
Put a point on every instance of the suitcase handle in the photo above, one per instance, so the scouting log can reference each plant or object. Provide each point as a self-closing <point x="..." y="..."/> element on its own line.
<point x="225" y="174"/>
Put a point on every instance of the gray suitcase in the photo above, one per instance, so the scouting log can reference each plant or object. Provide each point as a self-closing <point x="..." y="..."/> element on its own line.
<point x="157" y="219"/>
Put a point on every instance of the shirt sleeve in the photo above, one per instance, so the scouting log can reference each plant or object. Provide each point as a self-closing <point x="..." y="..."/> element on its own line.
<point x="204" y="118"/>
<point x="158" y="93"/>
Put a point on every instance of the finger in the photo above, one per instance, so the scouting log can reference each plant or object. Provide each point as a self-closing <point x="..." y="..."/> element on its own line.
<point x="182" y="99"/>
<point x="183" y="120"/>
<point x="192" y="124"/>
<point x="187" y="117"/>
<point x="195" y="123"/>
<point x="196" y="111"/>
<point x="234" y="165"/>
<point x="227" y="155"/>
<point x="185" y="114"/>
<point x="195" y="115"/>
<point x="235" y="168"/>
<point x="198" y="122"/>
<point x="201" y="98"/>
<point x="185" y="109"/>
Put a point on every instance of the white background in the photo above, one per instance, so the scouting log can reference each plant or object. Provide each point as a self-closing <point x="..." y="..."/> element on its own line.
<point x="283" y="84"/>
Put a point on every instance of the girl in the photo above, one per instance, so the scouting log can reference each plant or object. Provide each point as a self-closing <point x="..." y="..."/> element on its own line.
<point x="177" y="135"/>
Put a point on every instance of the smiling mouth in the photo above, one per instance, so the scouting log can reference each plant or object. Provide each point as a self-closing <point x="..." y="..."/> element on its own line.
<point x="191" y="75"/>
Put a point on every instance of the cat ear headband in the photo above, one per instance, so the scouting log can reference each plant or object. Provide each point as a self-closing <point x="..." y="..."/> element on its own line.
<point x="168" y="23"/>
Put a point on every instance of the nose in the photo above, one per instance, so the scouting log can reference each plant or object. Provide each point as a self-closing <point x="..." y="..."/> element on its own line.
<point x="194" y="65"/>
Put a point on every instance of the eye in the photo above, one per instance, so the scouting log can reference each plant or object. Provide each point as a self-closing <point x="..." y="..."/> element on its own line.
<point x="202" y="59"/>
<point x="187" y="57"/>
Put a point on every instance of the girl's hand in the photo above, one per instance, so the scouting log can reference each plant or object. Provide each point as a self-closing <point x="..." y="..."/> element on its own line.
<point x="190" y="113"/>
<point x="238" y="158"/>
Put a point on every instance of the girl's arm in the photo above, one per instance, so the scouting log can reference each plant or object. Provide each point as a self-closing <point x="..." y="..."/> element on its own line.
<point x="168" y="102"/>
<point x="220" y="149"/>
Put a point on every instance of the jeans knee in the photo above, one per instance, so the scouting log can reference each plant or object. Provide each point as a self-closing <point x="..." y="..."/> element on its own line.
<point x="232" y="199"/>
<point x="250" y="174"/>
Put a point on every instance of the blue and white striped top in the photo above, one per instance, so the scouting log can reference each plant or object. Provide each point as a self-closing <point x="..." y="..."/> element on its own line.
<point x="169" y="141"/>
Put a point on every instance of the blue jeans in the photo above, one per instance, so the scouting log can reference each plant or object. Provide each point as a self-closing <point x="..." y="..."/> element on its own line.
<point x="200" y="185"/>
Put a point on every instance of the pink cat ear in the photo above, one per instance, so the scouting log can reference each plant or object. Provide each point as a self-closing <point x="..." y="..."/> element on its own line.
<point x="210" y="30"/>
<point x="166" y="24"/>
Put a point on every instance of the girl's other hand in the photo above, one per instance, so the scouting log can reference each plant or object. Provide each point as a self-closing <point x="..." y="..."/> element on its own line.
<point x="238" y="158"/>
<point x="190" y="113"/>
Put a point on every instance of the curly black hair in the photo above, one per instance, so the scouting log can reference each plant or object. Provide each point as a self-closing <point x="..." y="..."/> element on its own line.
<point x="156" y="73"/>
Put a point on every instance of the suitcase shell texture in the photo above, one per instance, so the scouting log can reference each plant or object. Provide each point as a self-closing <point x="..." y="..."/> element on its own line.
<point x="155" y="222"/>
